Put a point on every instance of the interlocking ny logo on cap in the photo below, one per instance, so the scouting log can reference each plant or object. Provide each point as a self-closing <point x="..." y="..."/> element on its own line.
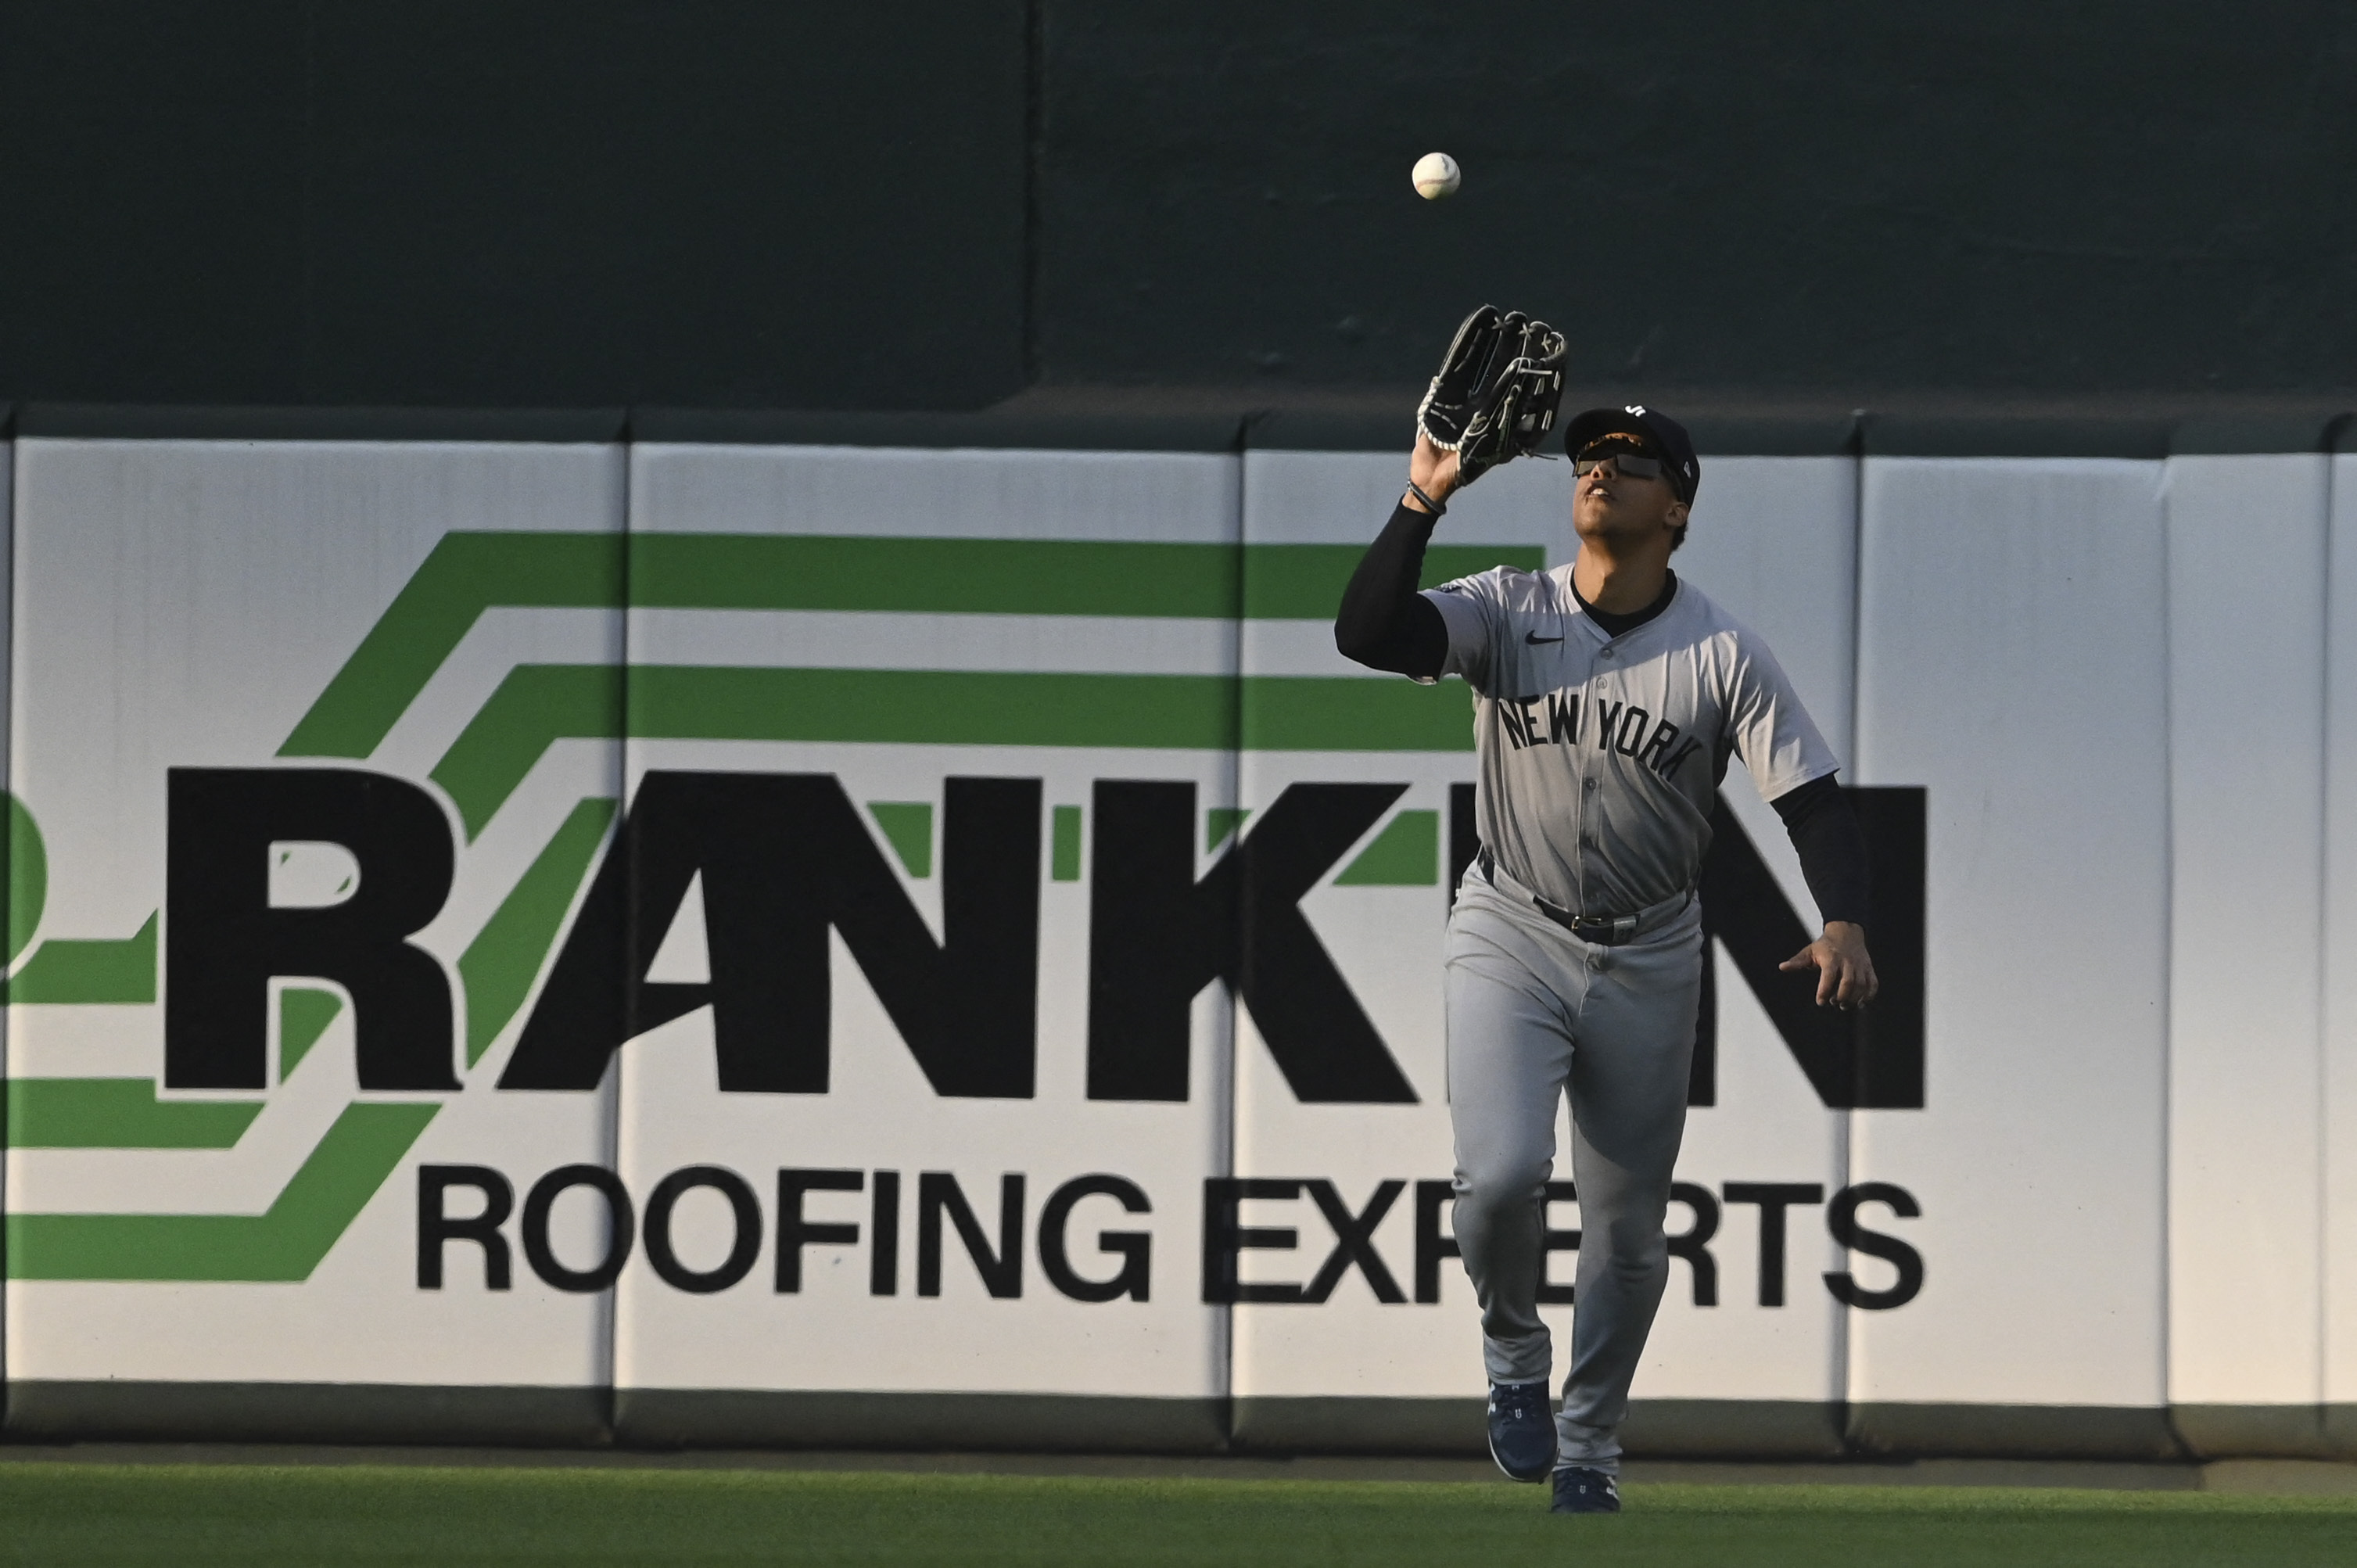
<point x="1634" y="408"/>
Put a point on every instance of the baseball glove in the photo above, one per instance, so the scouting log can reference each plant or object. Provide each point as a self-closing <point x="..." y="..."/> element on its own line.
<point x="1497" y="391"/>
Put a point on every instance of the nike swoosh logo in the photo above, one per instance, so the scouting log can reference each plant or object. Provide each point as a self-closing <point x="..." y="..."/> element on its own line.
<point x="1534" y="639"/>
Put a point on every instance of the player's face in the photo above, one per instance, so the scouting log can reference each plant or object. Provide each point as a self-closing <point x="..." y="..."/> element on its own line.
<point x="1608" y="504"/>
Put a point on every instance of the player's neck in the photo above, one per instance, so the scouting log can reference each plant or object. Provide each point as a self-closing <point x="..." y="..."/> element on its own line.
<point x="1620" y="583"/>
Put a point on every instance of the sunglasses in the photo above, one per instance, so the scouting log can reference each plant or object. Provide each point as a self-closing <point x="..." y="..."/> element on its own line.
<point x="1629" y="465"/>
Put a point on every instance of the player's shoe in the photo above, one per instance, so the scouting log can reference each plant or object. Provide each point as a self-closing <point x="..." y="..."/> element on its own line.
<point x="1578" y="1489"/>
<point x="1522" y="1430"/>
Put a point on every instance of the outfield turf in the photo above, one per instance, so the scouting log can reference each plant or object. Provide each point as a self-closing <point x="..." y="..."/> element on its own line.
<point x="78" y="1513"/>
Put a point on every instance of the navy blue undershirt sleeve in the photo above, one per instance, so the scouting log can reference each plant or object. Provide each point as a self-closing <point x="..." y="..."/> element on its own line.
<point x="1825" y="830"/>
<point x="1385" y="623"/>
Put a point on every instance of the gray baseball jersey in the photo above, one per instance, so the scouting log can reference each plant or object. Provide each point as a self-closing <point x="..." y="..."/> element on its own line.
<point x="1599" y="754"/>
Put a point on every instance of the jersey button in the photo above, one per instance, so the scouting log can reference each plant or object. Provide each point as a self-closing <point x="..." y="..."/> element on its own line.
<point x="1605" y="653"/>
<point x="1587" y="783"/>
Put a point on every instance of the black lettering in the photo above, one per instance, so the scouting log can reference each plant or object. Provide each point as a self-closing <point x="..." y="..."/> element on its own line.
<point x="1001" y="1268"/>
<point x="1670" y="767"/>
<point x="1607" y="715"/>
<point x="1551" y="1242"/>
<point x="1510" y="719"/>
<point x="224" y="943"/>
<point x="744" y="1245"/>
<point x="794" y="1232"/>
<point x="1693" y="1246"/>
<point x="1225" y="1237"/>
<point x="784" y="857"/>
<point x="1773" y="1198"/>
<point x="620" y="1228"/>
<point x="1657" y="748"/>
<point x="1156" y="937"/>
<point x="1842" y="1221"/>
<point x="1431" y="1243"/>
<point x="1868" y="1059"/>
<point x="1532" y="724"/>
<point x="434" y="1227"/>
<point x="1135" y="1248"/>
<point x="884" y="1236"/>
<point x="1354" y="1242"/>
<point x="1632" y="730"/>
<point x="1563" y="718"/>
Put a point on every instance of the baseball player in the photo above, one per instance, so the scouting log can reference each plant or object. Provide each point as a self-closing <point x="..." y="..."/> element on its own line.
<point x="1610" y="695"/>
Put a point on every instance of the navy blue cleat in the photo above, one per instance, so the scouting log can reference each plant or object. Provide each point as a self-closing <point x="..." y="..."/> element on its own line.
<point x="1522" y="1430"/>
<point x="1578" y="1489"/>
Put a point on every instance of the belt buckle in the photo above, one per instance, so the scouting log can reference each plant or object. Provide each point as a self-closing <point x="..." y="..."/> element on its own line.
<point x="1624" y="927"/>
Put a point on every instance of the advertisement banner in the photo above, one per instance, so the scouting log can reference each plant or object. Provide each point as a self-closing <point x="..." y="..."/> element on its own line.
<point x="255" y="690"/>
<point x="810" y="945"/>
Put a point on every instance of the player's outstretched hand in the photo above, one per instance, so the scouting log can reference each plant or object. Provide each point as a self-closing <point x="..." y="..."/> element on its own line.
<point x="1845" y="973"/>
<point x="1431" y="470"/>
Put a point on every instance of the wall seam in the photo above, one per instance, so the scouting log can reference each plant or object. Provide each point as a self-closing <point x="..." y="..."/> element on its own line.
<point x="1845" y="1324"/>
<point x="2323" y="1079"/>
<point x="1233" y="1088"/>
<point x="2166" y="1322"/>
<point x="627" y="448"/>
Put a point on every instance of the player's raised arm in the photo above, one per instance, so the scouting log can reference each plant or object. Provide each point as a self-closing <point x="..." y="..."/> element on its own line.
<point x="1493" y="400"/>
<point x="1384" y="624"/>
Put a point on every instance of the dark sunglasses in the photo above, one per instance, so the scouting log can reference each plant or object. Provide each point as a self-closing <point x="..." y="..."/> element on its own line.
<point x="1629" y="465"/>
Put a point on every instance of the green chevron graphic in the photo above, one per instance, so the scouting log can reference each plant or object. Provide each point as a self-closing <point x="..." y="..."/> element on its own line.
<point x="304" y="1015"/>
<point x="539" y="704"/>
<point x="535" y="706"/>
<point x="87" y="970"/>
<point x="119" y="1113"/>
<point x="467" y="574"/>
<point x="284" y="1243"/>
<point x="1404" y="855"/>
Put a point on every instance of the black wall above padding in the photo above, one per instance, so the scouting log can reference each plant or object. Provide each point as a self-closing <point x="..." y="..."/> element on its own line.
<point x="444" y="201"/>
<point x="938" y="204"/>
<point x="1851" y="198"/>
<point x="2306" y="430"/>
<point x="115" y="421"/>
<point x="1038" y="432"/>
<point x="2053" y="436"/>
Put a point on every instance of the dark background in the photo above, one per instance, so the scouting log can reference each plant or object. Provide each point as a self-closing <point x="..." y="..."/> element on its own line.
<point x="725" y="204"/>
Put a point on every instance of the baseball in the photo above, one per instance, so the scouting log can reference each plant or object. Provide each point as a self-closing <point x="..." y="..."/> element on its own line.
<point x="1436" y="176"/>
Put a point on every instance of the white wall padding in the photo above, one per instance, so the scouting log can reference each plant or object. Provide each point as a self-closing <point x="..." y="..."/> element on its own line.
<point x="1070" y="694"/>
<point x="862" y="1340"/>
<point x="186" y="605"/>
<point x="2012" y="661"/>
<point x="2246" y="614"/>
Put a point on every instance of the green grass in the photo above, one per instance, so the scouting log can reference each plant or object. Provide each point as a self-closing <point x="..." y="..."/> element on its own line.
<point x="89" y="1513"/>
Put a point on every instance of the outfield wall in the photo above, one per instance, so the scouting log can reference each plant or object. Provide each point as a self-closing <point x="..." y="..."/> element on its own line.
<point x="734" y="937"/>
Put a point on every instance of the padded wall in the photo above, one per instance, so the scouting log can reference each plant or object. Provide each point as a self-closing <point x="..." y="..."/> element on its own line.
<point x="856" y="859"/>
<point x="2012" y="661"/>
<point x="209" y="639"/>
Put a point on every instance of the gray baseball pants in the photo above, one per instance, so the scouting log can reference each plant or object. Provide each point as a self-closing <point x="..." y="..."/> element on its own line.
<point x="1533" y="1012"/>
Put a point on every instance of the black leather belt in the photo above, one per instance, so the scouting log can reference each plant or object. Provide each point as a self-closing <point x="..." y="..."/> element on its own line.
<point x="1603" y="930"/>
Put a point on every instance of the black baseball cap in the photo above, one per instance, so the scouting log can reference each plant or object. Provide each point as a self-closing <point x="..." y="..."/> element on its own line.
<point x="1665" y="436"/>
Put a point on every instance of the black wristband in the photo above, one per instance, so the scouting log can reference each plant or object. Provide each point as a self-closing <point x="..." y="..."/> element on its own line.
<point x="1433" y="507"/>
